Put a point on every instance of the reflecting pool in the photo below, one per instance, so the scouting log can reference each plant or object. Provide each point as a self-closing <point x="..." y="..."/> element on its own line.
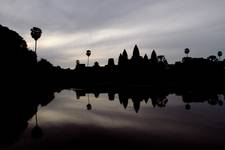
<point x="84" y="118"/>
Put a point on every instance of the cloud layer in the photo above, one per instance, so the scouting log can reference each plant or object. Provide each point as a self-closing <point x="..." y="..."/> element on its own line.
<point x="109" y="26"/>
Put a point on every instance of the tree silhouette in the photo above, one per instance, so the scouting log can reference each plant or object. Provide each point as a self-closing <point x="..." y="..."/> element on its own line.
<point x="88" y="53"/>
<point x="89" y="107"/>
<point x="96" y="65"/>
<point x="187" y="51"/>
<point x="212" y="58"/>
<point x="36" y="34"/>
<point x="36" y="131"/>
<point x="187" y="106"/>
<point x="162" y="59"/>
<point x="219" y="54"/>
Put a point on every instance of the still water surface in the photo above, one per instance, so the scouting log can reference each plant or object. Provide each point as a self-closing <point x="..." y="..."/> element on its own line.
<point x="66" y="122"/>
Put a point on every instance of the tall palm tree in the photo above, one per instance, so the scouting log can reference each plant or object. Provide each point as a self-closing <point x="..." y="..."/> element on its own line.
<point x="187" y="51"/>
<point x="220" y="53"/>
<point x="36" y="34"/>
<point x="36" y="132"/>
<point x="88" y="53"/>
<point x="89" y="107"/>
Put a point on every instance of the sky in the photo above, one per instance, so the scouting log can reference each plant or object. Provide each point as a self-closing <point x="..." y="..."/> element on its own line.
<point x="106" y="27"/>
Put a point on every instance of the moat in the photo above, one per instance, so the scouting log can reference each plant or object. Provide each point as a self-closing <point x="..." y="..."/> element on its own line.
<point x="158" y="122"/>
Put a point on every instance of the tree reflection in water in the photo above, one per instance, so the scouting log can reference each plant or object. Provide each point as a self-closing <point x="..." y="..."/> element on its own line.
<point x="36" y="131"/>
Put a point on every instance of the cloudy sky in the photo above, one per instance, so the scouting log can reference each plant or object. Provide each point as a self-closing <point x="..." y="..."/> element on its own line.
<point x="70" y="27"/>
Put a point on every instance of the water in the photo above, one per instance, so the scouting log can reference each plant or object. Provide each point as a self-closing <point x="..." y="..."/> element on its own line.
<point x="167" y="123"/>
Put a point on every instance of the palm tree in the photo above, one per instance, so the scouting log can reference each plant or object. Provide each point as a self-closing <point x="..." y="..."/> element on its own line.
<point x="187" y="51"/>
<point x="36" y="132"/>
<point x="36" y="34"/>
<point x="212" y="58"/>
<point x="89" y="107"/>
<point x="220" y="53"/>
<point x="88" y="53"/>
<point x="187" y="106"/>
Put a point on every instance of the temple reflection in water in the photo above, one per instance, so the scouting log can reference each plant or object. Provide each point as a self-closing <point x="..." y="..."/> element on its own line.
<point x="156" y="98"/>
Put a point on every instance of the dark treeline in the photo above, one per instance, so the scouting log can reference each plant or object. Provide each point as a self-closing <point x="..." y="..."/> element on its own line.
<point x="22" y="89"/>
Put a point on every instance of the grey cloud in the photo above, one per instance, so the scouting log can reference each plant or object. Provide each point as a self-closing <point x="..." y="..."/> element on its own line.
<point x="167" y="26"/>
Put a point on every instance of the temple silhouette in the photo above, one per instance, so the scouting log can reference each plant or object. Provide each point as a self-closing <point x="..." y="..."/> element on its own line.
<point x="154" y="71"/>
